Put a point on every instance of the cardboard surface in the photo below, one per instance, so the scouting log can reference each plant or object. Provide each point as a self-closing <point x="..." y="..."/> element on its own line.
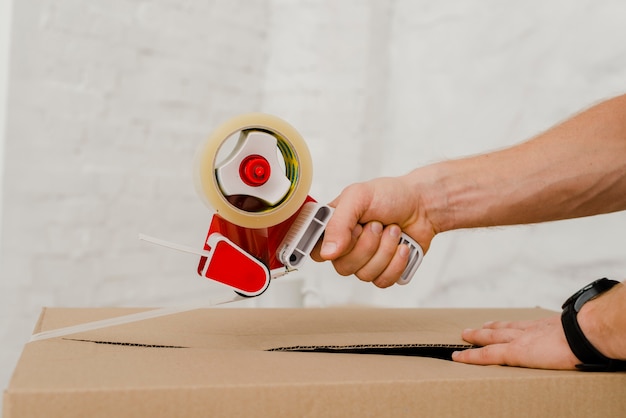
<point x="230" y="362"/>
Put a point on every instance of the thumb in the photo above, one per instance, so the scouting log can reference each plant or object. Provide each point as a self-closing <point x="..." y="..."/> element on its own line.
<point x="340" y="234"/>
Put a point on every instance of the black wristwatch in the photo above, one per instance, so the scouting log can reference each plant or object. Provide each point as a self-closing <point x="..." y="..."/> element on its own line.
<point x="591" y="359"/>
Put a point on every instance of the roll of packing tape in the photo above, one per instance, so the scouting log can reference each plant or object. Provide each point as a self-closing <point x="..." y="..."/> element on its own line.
<point x="237" y="209"/>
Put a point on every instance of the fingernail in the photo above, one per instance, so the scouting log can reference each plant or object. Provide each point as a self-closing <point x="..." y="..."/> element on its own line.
<point x="403" y="251"/>
<point x="328" y="249"/>
<point x="394" y="231"/>
<point x="356" y="232"/>
<point x="455" y="354"/>
<point x="377" y="228"/>
<point x="467" y="331"/>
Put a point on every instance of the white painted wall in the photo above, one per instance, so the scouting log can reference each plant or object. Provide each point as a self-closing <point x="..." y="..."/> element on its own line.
<point x="109" y="101"/>
<point x="5" y="44"/>
<point x="9" y="355"/>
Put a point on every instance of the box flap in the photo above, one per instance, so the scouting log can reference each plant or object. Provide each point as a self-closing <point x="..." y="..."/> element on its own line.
<point x="248" y="329"/>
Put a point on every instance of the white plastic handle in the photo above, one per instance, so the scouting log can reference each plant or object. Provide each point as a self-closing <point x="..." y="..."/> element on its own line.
<point x="309" y="227"/>
<point x="416" y="254"/>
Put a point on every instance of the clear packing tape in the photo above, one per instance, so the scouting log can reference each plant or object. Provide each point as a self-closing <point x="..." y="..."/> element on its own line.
<point x="126" y="319"/>
<point x="153" y="313"/>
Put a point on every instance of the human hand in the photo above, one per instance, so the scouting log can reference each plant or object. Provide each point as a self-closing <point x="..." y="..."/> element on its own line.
<point x="362" y="237"/>
<point x="537" y="344"/>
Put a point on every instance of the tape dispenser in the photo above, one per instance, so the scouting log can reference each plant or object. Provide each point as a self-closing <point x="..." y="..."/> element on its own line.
<point x="255" y="172"/>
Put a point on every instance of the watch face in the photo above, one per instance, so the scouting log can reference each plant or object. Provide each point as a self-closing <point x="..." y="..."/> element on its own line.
<point x="589" y="292"/>
<point x="585" y="297"/>
<point x="574" y="298"/>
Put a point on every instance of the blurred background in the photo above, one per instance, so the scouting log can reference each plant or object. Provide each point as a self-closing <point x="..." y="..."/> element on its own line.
<point x="103" y="105"/>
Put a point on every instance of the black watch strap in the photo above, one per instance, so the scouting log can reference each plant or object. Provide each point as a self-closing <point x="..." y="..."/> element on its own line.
<point x="591" y="359"/>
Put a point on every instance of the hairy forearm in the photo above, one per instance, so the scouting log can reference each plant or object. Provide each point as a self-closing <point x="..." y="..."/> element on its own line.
<point x="577" y="168"/>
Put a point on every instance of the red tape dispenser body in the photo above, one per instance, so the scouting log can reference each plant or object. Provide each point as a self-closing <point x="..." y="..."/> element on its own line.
<point x="255" y="171"/>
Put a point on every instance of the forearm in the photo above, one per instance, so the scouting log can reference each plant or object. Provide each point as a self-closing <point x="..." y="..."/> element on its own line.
<point x="577" y="168"/>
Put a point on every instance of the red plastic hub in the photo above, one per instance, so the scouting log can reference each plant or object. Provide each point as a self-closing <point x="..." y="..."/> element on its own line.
<point x="255" y="170"/>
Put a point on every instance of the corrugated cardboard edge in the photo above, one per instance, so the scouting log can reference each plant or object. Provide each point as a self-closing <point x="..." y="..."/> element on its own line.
<point x="438" y="351"/>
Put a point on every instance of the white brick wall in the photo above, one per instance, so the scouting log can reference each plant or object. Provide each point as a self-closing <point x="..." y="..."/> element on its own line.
<point x="108" y="102"/>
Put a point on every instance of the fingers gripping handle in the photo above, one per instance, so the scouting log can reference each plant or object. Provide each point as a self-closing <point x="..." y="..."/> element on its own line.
<point x="308" y="229"/>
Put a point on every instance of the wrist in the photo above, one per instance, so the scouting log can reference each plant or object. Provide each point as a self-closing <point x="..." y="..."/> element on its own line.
<point x="601" y="321"/>
<point x="456" y="194"/>
<point x="429" y="183"/>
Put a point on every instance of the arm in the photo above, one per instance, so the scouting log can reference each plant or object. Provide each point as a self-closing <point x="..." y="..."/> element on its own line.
<point x="577" y="168"/>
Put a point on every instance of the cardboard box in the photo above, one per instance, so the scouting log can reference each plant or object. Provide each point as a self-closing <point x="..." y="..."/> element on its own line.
<point x="245" y="362"/>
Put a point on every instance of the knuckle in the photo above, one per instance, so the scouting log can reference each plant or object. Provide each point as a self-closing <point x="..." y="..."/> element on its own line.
<point x="485" y="354"/>
<point x="365" y="276"/>
<point x="342" y="269"/>
<point x="383" y="282"/>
